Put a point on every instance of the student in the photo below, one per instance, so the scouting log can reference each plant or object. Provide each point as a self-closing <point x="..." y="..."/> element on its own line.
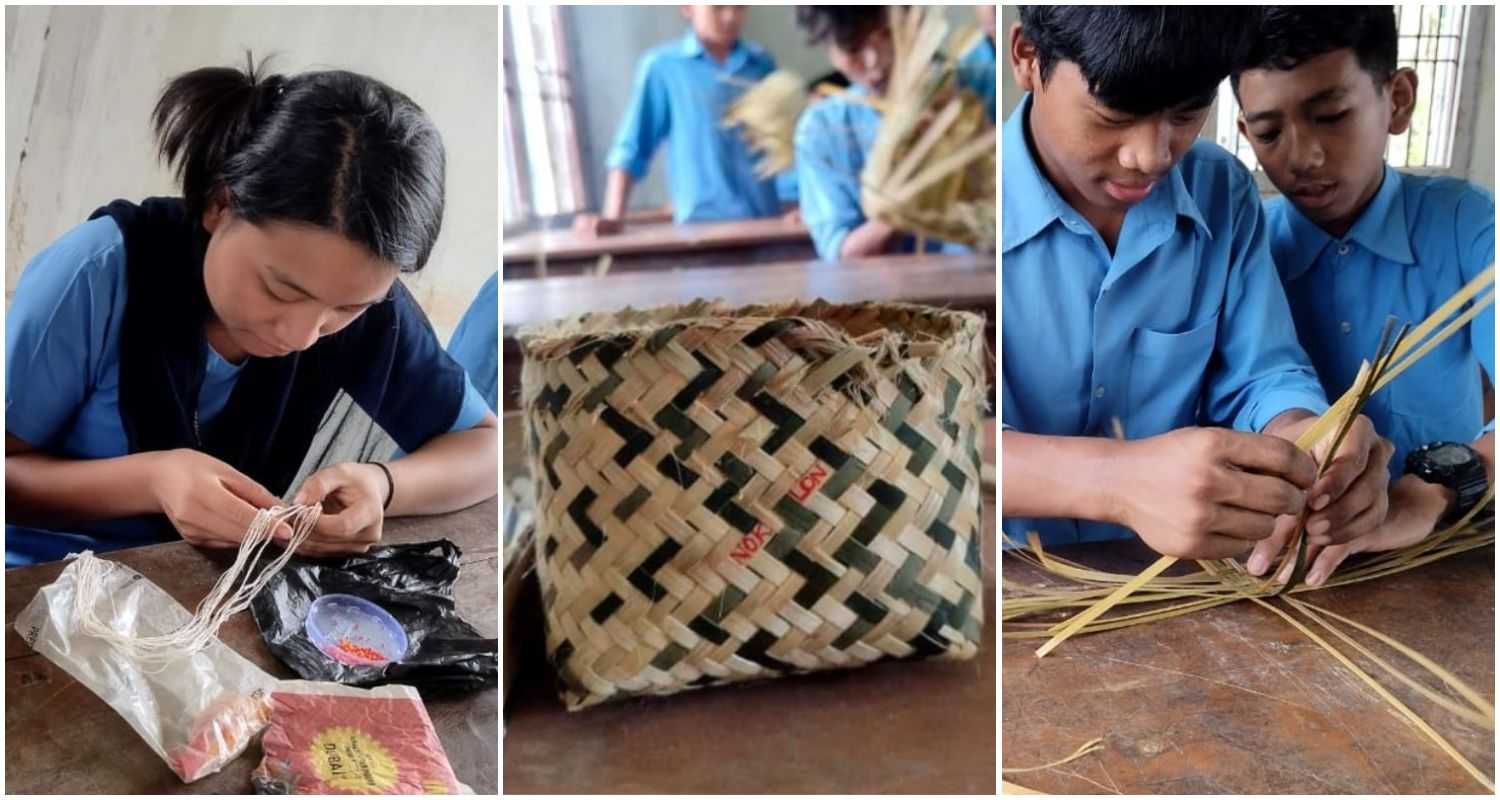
<point x="1138" y="291"/>
<point x="682" y="90"/>
<point x="833" y="135"/>
<point x="976" y="68"/>
<point x="476" y="342"/>
<point x="1356" y="241"/>
<point x="170" y="361"/>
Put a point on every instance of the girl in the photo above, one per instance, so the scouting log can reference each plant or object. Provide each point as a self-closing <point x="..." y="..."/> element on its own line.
<point x="169" y="362"/>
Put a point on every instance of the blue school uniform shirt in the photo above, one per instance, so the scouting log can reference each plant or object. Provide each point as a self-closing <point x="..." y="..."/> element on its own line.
<point x="62" y="378"/>
<point x="976" y="71"/>
<point x="833" y="137"/>
<point x="1186" y="324"/>
<point x="476" y="342"/>
<point x="680" y="96"/>
<point x="1419" y="241"/>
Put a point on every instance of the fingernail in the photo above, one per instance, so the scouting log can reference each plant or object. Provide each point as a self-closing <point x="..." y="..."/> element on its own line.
<point x="1319" y="503"/>
<point x="1315" y="578"/>
<point x="1318" y="528"/>
<point x="1258" y="563"/>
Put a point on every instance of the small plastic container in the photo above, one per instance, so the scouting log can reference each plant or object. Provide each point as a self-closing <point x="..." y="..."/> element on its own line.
<point x="352" y="630"/>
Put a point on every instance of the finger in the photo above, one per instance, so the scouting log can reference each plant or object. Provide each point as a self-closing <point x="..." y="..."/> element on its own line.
<point x="204" y="537"/>
<point x="231" y="511"/>
<point x="1365" y="523"/>
<point x="1327" y="561"/>
<point x="1367" y="500"/>
<point x="315" y="489"/>
<point x="1267" y="549"/>
<point x="1270" y="455"/>
<point x="1263" y="493"/>
<point x="1359" y="453"/>
<point x="1241" y="524"/>
<point x="1217" y="546"/>
<point x="248" y="490"/>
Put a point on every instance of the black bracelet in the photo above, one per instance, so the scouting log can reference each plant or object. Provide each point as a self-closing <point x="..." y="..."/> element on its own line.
<point x="389" y="482"/>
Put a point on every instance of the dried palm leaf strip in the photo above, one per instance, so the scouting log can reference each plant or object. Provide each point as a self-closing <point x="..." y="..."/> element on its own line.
<point x="1090" y="746"/>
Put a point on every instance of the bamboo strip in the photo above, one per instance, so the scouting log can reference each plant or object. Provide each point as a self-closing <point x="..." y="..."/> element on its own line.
<point x="1090" y="746"/>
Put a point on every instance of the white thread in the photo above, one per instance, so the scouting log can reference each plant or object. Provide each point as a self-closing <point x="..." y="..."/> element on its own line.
<point x="230" y="595"/>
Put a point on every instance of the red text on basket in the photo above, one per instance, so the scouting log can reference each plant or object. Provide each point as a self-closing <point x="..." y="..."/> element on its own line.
<point x="751" y="543"/>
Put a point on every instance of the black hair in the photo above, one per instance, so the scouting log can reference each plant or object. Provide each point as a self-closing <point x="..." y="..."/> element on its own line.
<point x="337" y="150"/>
<point x="1290" y="35"/>
<point x="845" y="25"/>
<point x="1143" y="59"/>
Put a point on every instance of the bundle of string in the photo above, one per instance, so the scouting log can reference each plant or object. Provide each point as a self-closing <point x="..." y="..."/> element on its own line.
<point x="230" y="595"/>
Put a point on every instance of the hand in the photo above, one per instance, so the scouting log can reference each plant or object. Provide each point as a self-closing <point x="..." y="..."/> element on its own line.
<point x="792" y="216"/>
<point x="209" y="502"/>
<point x="1416" y="509"/>
<point x="1350" y="499"/>
<point x="353" y="498"/>
<point x="595" y="225"/>
<point x="1208" y="492"/>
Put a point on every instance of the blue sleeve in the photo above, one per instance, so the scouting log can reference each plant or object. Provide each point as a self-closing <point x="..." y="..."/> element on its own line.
<point x="56" y="329"/>
<point x="1260" y="369"/>
<point x="646" y="124"/>
<point x="1476" y="251"/>
<point x="827" y="181"/>
<point x="476" y="341"/>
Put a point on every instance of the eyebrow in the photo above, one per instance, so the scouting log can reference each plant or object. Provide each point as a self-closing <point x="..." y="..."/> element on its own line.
<point x="293" y="285"/>
<point x="1336" y="93"/>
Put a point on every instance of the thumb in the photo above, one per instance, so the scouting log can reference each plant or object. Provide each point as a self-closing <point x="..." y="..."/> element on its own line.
<point x="248" y="490"/>
<point x="314" y="489"/>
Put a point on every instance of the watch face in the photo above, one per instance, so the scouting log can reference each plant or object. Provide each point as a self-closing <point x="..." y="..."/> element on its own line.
<point x="1448" y="455"/>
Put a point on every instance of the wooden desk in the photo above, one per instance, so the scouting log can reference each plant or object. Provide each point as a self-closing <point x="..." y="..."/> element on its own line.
<point x="61" y="738"/>
<point x="1234" y="700"/>
<point x="965" y="282"/>
<point x="911" y="727"/>
<point x="658" y="246"/>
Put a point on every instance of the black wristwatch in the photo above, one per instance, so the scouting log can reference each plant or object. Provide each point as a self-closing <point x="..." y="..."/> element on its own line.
<point x="1452" y="465"/>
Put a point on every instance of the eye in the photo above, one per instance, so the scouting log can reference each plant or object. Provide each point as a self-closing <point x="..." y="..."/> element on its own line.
<point x="1268" y="136"/>
<point x="275" y="295"/>
<point x="1184" y="119"/>
<point x="1332" y="119"/>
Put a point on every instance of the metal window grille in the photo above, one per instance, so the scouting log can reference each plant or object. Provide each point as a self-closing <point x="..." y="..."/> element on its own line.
<point x="542" y="168"/>
<point x="1433" y="40"/>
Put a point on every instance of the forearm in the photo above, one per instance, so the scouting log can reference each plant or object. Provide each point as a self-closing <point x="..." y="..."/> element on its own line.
<point x="453" y="471"/>
<point x="45" y="490"/>
<point x="1058" y="476"/>
<point x="616" y="194"/>
<point x="870" y="239"/>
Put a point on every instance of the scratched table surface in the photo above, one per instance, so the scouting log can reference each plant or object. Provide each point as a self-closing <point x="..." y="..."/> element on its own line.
<point x="900" y="728"/>
<point x="1234" y="700"/>
<point x="60" y="738"/>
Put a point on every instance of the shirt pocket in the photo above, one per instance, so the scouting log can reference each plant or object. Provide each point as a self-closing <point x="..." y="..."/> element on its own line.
<point x="1167" y="373"/>
<point x="1437" y="398"/>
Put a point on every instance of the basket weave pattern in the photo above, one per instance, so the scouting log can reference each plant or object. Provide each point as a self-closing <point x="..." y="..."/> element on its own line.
<point x="734" y="494"/>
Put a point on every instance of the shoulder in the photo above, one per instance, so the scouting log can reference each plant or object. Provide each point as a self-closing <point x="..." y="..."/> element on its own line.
<point x="664" y="56"/>
<point x="757" y="55"/>
<point x="1208" y="170"/>
<point x="90" y="257"/>
<point x="1441" y="197"/>
<point x="828" y="115"/>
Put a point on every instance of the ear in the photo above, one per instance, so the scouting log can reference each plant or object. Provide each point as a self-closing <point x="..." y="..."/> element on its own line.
<point x="1024" y="63"/>
<point x="216" y="211"/>
<point x="1401" y="93"/>
<point x="1239" y="122"/>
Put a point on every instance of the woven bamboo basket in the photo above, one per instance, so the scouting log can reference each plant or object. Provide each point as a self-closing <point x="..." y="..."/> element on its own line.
<point x="731" y="494"/>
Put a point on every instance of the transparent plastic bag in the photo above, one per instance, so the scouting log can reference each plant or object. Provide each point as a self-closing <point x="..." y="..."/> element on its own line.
<point x="198" y="712"/>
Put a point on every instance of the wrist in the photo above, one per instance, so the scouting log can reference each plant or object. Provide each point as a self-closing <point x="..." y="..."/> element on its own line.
<point x="1430" y="503"/>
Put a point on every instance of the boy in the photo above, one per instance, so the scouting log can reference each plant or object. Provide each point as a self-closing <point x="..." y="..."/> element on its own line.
<point x="833" y="135"/>
<point x="682" y="89"/>
<point x="1356" y="241"/>
<point x="1139" y="294"/>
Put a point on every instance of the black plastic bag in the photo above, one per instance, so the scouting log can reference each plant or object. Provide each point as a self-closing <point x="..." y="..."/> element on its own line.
<point x="414" y="582"/>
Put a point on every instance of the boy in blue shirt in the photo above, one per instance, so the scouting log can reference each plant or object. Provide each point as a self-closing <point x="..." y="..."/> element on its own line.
<point x="1355" y="241"/>
<point x="833" y="135"/>
<point x="976" y="68"/>
<point x="1139" y="297"/>
<point x="682" y="90"/>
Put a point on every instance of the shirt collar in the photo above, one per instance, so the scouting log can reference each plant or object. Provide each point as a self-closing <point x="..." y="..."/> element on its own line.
<point x="1031" y="203"/>
<point x="693" y="48"/>
<point x="1381" y="229"/>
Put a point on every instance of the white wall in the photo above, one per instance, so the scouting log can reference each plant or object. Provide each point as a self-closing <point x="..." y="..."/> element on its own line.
<point x="80" y="84"/>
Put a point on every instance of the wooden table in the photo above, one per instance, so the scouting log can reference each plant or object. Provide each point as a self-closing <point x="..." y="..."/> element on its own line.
<point x="1234" y="700"/>
<point x="658" y="246"/>
<point x="965" y="282"/>
<point x="910" y="727"/>
<point x="60" y="738"/>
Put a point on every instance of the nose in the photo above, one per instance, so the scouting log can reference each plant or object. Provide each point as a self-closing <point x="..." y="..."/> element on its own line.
<point x="1148" y="147"/>
<point x="300" y="331"/>
<point x="1306" y="152"/>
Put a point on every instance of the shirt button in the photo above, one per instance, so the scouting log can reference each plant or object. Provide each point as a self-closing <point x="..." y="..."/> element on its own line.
<point x="1343" y="249"/>
<point x="1346" y="327"/>
<point x="1099" y="392"/>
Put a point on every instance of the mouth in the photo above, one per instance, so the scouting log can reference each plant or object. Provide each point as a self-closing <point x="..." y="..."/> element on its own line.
<point x="1315" y="195"/>
<point x="1128" y="192"/>
<point x="266" y="349"/>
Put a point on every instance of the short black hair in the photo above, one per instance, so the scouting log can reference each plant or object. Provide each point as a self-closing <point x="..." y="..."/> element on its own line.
<point x="1290" y="35"/>
<point x="845" y="25"/>
<point x="336" y="150"/>
<point x="1143" y="59"/>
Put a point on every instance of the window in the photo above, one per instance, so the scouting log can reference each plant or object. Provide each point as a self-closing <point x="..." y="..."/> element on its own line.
<point x="1435" y="41"/>
<point x="541" y="164"/>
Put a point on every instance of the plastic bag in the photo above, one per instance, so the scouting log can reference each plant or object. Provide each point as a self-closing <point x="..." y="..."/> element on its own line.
<point x="198" y="712"/>
<point x="414" y="584"/>
<point x="325" y="738"/>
